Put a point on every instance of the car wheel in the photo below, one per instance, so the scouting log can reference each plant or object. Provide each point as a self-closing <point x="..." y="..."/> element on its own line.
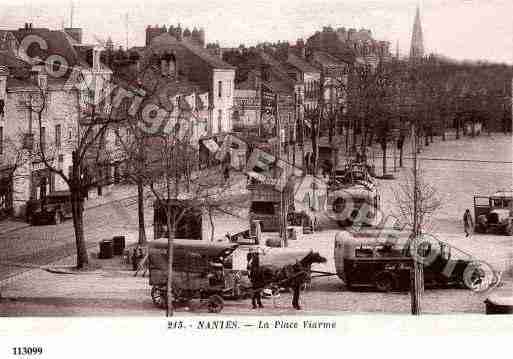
<point x="384" y="282"/>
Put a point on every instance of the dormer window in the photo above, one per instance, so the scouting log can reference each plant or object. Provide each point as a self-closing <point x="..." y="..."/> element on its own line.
<point x="168" y="65"/>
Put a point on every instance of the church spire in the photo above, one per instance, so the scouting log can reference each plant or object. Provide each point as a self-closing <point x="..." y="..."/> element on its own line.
<point x="417" y="43"/>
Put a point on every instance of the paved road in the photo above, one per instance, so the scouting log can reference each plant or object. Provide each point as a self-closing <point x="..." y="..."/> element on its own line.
<point x="115" y="215"/>
<point x="103" y="293"/>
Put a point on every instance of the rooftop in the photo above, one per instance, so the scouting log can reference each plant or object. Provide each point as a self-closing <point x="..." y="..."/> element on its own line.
<point x="326" y="59"/>
<point x="210" y="59"/>
<point x="301" y="64"/>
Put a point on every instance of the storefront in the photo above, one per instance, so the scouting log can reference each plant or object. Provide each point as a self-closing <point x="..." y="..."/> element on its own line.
<point x="6" y="192"/>
<point x="42" y="181"/>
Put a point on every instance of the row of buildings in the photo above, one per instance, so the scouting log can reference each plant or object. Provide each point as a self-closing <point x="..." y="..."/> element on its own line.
<point x="264" y="90"/>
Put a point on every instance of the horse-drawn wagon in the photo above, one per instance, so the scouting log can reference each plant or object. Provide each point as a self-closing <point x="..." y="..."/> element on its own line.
<point x="201" y="270"/>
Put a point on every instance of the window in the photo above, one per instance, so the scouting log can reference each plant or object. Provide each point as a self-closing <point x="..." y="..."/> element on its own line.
<point x="229" y="89"/>
<point x="263" y="208"/>
<point x="42" y="138"/>
<point x="58" y="137"/>
<point x="1" y="140"/>
<point x="220" y="88"/>
<point x="220" y="121"/>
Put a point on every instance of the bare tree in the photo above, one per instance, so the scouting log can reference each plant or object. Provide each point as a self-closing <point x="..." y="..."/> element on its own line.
<point x="428" y="201"/>
<point x="179" y="190"/>
<point x="416" y="201"/>
<point x="87" y="143"/>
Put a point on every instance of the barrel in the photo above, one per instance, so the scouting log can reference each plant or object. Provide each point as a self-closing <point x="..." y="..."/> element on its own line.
<point x="118" y="245"/>
<point x="106" y="249"/>
<point x="499" y="303"/>
<point x="273" y="242"/>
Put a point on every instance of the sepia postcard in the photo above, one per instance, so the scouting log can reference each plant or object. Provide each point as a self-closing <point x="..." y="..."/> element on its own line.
<point x="254" y="167"/>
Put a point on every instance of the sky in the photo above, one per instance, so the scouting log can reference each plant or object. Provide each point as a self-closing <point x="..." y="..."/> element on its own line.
<point x="460" y="29"/>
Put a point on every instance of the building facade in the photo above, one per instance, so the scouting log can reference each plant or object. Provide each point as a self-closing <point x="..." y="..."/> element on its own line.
<point x="209" y="72"/>
<point x="41" y="109"/>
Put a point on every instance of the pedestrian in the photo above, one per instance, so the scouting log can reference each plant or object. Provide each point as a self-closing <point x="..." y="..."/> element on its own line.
<point x="256" y="279"/>
<point x="226" y="173"/>
<point x="307" y="162"/>
<point x="468" y="224"/>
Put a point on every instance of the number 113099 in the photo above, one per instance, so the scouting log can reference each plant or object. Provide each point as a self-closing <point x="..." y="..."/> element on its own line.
<point x="33" y="350"/>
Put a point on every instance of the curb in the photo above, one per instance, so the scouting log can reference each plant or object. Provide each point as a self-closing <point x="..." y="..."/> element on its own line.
<point x="28" y="272"/>
<point x="26" y="225"/>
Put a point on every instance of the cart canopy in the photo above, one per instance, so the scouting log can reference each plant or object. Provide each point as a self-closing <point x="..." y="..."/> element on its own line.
<point x="188" y="255"/>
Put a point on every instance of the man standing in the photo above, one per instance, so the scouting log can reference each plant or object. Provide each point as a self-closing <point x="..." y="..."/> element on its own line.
<point x="468" y="223"/>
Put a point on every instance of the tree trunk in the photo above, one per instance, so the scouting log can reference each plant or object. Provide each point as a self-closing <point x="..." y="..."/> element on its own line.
<point x="169" y="287"/>
<point x="347" y="137"/>
<point x="331" y="129"/>
<point x="401" y="144"/>
<point x="212" y="225"/>
<point x="384" y="149"/>
<point x="77" y="209"/>
<point x="140" y="213"/>
<point x="294" y="154"/>
<point x="313" y="160"/>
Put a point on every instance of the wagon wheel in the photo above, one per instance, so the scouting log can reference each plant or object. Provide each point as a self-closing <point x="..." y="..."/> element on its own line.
<point x="179" y="295"/>
<point x="158" y="296"/>
<point x="384" y="282"/>
<point x="215" y="304"/>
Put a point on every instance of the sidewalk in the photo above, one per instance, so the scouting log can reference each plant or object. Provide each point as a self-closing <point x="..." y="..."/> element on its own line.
<point x="12" y="224"/>
<point x="112" y="290"/>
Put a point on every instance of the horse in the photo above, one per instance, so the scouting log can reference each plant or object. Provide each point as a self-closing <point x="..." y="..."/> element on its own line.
<point x="292" y="276"/>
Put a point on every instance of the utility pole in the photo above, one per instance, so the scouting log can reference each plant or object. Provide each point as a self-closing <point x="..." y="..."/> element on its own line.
<point x="126" y="30"/>
<point x="417" y="275"/>
<point x="283" y="204"/>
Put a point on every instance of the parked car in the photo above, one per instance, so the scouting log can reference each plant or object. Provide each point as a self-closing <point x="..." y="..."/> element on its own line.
<point x="54" y="208"/>
<point x="381" y="258"/>
<point x="494" y="212"/>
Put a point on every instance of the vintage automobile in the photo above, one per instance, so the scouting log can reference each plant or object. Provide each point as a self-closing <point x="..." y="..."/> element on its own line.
<point x="494" y="212"/>
<point x="189" y="225"/>
<point x="382" y="259"/>
<point x="201" y="270"/>
<point x="357" y="203"/>
<point x="53" y="208"/>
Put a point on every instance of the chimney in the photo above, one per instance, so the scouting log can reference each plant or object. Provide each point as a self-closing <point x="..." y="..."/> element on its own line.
<point x="96" y="57"/>
<point x="300" y="45"/>
<point x="4" y="74"/>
